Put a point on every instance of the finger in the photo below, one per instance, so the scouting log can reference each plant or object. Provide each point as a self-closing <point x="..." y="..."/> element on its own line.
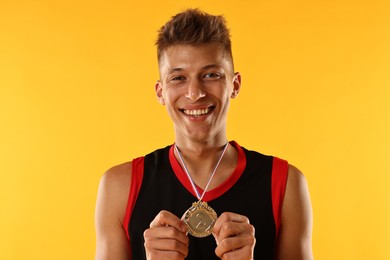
<point x="230" y="229"/>
<point x="166" y="218"/>
<point x="164" y="255"/>
<point x="165" y="242"/>
<point x="228" y="217"/>
<point x="165" y="232"/>
<point x="234" y="244"/>
<point x="166" y="245"/>
<point x="240" y="254"/>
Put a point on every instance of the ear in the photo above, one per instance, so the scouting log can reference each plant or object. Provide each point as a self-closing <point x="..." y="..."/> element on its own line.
<point x="158" y="89"/>
<point x="236" y="84"/>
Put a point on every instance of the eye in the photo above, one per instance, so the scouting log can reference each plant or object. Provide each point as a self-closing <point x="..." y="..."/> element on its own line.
<point x="177" y="78"/>
<point x="212" y="75"/>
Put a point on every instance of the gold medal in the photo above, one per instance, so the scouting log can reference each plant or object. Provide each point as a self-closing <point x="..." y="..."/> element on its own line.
<point x="200" y="219"/>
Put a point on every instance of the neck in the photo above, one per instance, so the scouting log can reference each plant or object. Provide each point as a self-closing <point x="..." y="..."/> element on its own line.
<point x="200" y="195"/>
<point x="201" y="149"/>
<point x="201" y="158"/>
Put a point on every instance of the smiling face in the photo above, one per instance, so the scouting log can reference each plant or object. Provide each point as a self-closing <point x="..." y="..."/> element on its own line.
<point x="196" y="84"/>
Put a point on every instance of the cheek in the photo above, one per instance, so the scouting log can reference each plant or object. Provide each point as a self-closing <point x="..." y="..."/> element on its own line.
<point x="223" y="94"/>
<point x="170" y="97"/>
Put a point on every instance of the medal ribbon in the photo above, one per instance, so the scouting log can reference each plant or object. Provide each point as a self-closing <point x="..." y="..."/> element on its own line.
<point x="200" y="197"/>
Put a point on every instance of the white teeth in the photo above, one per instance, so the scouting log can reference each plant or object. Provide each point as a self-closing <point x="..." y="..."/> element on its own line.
<point x="196" y="112"/>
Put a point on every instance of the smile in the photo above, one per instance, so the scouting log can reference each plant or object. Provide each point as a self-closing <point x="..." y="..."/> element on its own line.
<point x="197" y="112"/>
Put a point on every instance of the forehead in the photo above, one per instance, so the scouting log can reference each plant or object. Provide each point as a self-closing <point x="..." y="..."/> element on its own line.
<point x="184" y="56"/>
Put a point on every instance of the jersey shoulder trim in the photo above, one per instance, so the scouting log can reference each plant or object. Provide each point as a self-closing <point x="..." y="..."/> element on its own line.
<point x="278" y="186"/>
<point x="136" y="181"/>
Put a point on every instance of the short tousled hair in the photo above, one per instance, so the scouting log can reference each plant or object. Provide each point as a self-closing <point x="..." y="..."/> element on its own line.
<point x="194" y="27"/>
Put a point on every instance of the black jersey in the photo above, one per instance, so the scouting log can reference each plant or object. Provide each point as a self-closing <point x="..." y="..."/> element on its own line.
<point x="255" y="189"/>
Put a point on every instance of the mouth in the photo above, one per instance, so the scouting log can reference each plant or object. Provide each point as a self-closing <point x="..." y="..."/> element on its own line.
<point x="197" y="112"/>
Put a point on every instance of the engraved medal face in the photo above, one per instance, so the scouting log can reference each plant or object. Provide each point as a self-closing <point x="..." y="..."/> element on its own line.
<point x="200" y="219"/>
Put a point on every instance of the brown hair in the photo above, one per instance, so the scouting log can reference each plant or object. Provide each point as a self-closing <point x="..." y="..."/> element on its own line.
<point x="194" y="27"/>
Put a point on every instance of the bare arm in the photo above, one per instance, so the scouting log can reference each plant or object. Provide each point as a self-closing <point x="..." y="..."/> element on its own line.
<point x="295" y="234"/>
<point x="111" y="240"/>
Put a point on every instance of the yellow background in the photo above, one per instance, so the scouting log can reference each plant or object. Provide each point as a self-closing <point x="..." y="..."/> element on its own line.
<point x="77" y="97"/>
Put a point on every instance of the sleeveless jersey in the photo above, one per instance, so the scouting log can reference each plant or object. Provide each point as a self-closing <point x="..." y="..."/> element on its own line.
<point x="255" y="189"/>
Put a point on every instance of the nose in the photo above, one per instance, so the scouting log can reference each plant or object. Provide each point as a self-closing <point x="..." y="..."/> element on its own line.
<point x="195" y="90"/>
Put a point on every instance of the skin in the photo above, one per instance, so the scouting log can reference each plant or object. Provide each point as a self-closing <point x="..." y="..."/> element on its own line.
<point x="200" y="78"/>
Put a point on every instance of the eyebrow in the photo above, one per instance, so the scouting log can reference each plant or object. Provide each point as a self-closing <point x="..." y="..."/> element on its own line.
<point x="210" y="66"/>
<point x="174" y="70"/>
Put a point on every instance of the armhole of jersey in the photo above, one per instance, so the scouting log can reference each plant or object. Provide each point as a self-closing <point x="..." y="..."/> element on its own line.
<point x="279" y="181"/>
<point x="137" y="174"/>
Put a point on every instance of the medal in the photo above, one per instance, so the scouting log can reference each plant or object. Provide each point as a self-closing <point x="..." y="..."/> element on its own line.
<point x="200" y="217"/>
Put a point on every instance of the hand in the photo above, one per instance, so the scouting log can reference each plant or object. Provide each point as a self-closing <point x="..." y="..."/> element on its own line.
<point x="166" y="238"/>
<point x="235" y="237"/>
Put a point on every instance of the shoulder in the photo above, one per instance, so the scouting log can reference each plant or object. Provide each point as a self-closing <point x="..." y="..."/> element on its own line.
<point x="118" y="172"/>
<point x="295" y="236"/>
<point x="297" y="190"/>
<point x="111" y="240"/>
<point x="295" y="177"/>
<point x="117" y="177"/>
<point x="114" y="188"/>
<point x="297" y="205"/>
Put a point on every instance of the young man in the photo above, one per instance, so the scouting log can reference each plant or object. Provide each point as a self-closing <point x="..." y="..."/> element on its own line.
<point x="202" y="197"/>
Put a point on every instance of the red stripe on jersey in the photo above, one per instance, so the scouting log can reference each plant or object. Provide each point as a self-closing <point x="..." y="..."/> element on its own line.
<point x="137" y="174"/>
<point x="221" y="189"/>
<point x="279" y="181"/>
